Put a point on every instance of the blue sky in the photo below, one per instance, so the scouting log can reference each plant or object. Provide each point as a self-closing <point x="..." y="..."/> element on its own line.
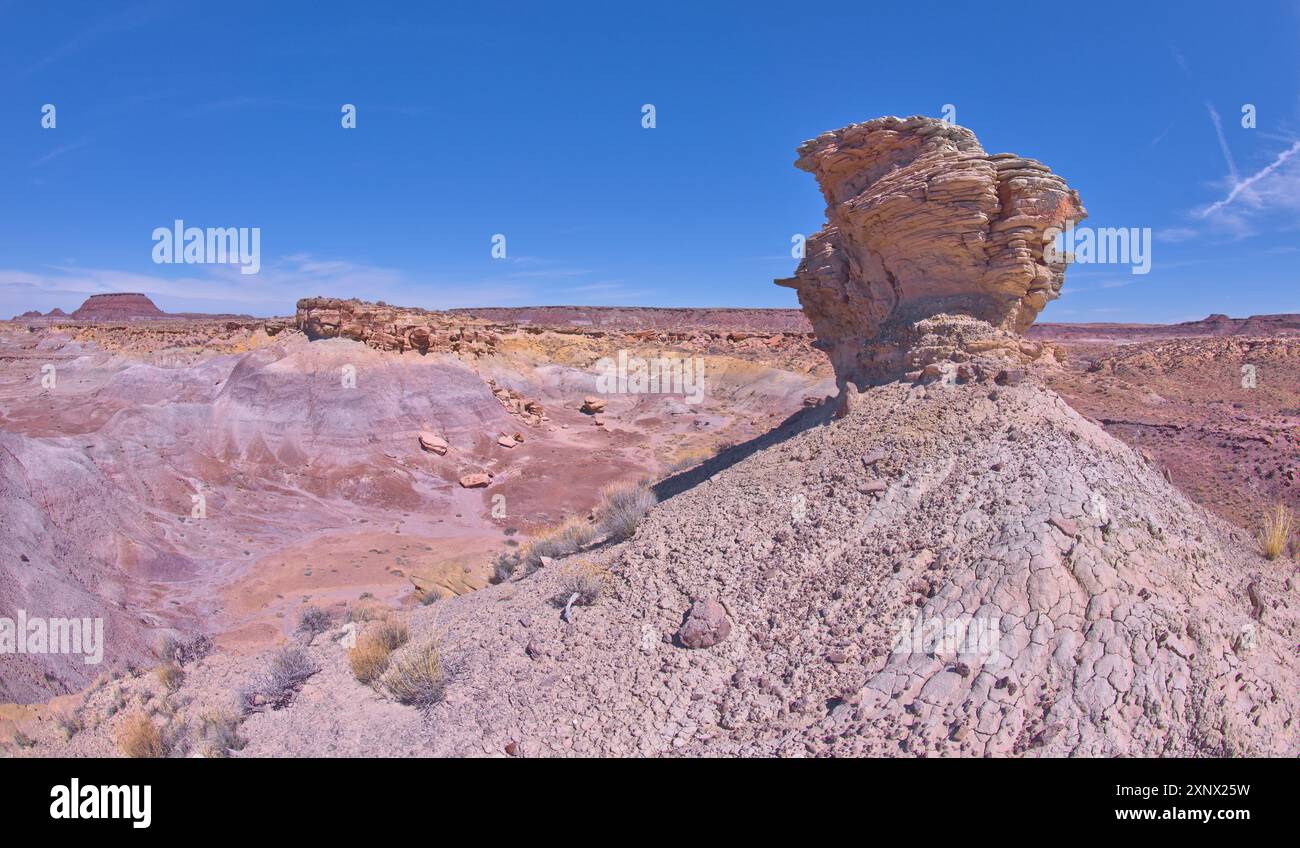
<point x="525" y="120"/>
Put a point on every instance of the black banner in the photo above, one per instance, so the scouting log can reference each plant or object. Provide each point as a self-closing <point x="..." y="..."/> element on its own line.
<point x="139" y="798"/>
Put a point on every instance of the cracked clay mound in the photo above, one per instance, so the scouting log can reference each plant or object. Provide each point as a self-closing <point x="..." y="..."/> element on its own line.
<point x="1126" y="621"/>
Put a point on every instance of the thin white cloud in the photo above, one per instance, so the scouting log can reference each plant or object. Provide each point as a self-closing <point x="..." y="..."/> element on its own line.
<point x="1180" y="60"/>
<point x="1177" y="234"/>
<point x="59" y="151"/>
<point x="121" y="21"/>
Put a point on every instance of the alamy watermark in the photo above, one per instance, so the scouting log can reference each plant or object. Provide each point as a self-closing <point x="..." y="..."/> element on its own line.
<point x="965" y="635"/>
<point x="1099" y="246"/>
<point x="184" y="245"/>
<point x="35" y="635"/>
<point x="93" y="801"/>
<point x="635" y="375"/>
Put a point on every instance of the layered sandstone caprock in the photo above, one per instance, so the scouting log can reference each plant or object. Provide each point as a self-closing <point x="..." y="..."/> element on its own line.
<point x="922" y="223"/>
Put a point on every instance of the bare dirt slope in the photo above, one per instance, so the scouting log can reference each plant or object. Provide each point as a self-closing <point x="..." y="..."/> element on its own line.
<point x="304" y="462"/>
<point x="1229" y="442"/>
<point x="1127" y="621"/>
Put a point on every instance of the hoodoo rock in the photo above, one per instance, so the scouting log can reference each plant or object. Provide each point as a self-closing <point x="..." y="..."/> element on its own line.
<point x="932" y="250"/>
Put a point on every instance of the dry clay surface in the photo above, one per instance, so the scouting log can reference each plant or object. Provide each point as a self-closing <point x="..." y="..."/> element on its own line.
<point x="1115" y="635"/>
<point x="1126" y="620"/>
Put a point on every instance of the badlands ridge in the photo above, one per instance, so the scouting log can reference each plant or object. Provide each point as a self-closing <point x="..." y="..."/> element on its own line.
<point x="911" y="531"/>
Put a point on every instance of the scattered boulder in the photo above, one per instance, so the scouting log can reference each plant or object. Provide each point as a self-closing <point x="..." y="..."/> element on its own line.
<point x="592" y="405"/>
<point x="506" y="441"/>
<point x="433" y="442"/>
<point x="475" y="481"/>
<point x="705" y="625"/>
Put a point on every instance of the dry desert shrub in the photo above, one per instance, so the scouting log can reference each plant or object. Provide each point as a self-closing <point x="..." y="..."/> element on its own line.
<point x="586" y="580"/>
<point x="313" y="621"/>
<point x="171" y="647"/>
<point x="139" y="738"/>
<point x="623" y="506"/>
<point x="70" y="724"/>
<point x="290" y="668"/>
<point x="415" y="676"/>
<point x="117" y="701"/>
<point x="1275" y="535"/>
<point x="504" y="565"/>
<point x="176" y="651"/>
<point x="170" y="676"/>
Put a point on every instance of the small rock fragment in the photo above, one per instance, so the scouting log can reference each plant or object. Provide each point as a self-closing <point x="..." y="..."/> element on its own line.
<point x="705" y="625"/>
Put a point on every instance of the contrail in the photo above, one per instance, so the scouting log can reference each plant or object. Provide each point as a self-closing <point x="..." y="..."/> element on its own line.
<point x="1254" y="178"/>
<point x="1223" y="142"/>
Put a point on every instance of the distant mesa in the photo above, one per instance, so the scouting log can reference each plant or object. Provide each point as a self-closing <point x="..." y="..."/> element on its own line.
<point x="1257" y="326"/>
<point x="117" y="307"/>
<point x="121" y="306"/>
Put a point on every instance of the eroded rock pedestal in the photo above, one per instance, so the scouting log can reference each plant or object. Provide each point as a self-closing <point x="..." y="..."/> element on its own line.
<point x="924" y="226"/>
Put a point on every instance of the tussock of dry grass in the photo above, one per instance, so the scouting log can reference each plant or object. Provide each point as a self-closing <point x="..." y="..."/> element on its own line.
<point x="138" y="737"/>
<point x="623" y="506"/>
<point x="170" y="676"/>
<point x="586" y="580"/>
<point x="1275" y="535"/>
<point x="687" y="459"/>
<point x="568" y="537"/>
<point x="361" y="614"/>
<point x="369" y="659"/>
<point x="415" y="676"/>
<point x="393" y="634"/>
<point x="221" y="731"/>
